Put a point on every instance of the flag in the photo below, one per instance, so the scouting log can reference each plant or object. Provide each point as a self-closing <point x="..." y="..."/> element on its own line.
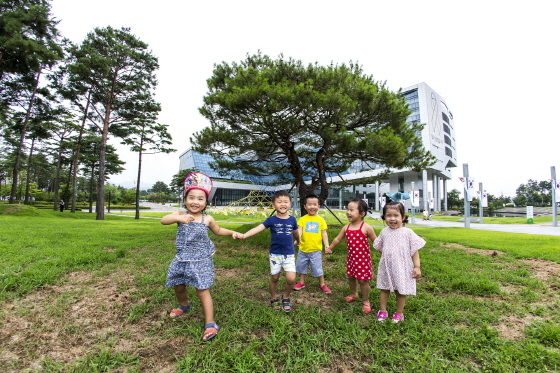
<point x="468" y="185"/>
<point x="556" y="186"/>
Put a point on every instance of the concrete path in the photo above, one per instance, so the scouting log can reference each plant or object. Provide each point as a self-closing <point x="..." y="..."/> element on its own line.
<point x="542" y="229"/>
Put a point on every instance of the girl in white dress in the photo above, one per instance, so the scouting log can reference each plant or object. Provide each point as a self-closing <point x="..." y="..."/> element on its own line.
<point x="399" y="266"/>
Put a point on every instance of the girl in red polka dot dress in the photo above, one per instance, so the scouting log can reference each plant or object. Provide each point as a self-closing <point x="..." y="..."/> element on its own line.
<point x="358" y="263"/>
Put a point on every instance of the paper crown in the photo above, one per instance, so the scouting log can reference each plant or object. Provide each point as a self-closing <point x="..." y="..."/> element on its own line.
<point x="198" y="180"/>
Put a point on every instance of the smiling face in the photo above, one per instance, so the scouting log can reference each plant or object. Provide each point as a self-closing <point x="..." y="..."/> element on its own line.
<point x="195" y="201"/>
<point x="311" y="206"/>
<point x="353" y="212"/>
<point x="282" y="205"/>
<point x="393" y="217"/>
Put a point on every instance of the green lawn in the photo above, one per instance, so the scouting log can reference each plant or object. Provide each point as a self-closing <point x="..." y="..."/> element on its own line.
<point x="473" y="312"/>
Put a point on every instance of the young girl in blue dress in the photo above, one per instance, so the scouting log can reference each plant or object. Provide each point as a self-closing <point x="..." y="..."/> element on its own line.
<point x="193" y="264"/>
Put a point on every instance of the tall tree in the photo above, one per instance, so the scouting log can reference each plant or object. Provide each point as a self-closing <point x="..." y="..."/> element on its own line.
<point x="305" y="123"/>
<point x="118" y="68"/>
<point x="178" y="181"/>
<point x="29" y="39"/>
<point x="160" y="187"/>
<point x="146" y="136"/>
<point x="90" y="164"/>
<point x="29" y="43"/>
<point x="534" y="193"/>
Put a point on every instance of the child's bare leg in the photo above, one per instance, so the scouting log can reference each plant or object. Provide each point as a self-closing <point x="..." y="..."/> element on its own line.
<point x="321" y="280"/>
<point x="353" y="286"/>
<point x="383" y="299"/>
<point x="364" y="287"/>
<point x="273" y="284"/>
<point x="207" y="304"/>
<point x="302" y="278"/>
<point x="401" y="300"/>
<point x="181" y="294"/>
<point x="290" y="281"/>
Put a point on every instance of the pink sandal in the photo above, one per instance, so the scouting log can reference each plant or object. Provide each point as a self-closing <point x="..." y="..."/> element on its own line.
<point x="366" y="307"/>
<point x="350" y="298"/>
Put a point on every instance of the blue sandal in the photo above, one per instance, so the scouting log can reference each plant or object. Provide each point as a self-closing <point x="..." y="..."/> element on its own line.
<point x="210" y="331"/>
<point x="286" y="305"/>
<point x="275" y="304"/>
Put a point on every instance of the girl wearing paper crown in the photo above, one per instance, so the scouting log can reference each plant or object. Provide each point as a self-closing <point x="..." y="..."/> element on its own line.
<point x="193" y="264"/>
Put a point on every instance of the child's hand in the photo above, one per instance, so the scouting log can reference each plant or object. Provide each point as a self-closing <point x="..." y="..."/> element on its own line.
<point x="238" y="236"/>
<point x="186" y="218"/>
<point x="296" y="243"/>
<point x="416" y="273"/>
<point x="328" y="250"/>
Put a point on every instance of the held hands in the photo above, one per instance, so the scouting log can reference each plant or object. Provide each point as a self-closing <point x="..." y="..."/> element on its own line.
<point x="328" y="250"/>
<point x="238" y="236"/>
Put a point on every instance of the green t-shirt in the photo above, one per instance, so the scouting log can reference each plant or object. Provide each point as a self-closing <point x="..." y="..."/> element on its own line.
<point x="311" y="233"/>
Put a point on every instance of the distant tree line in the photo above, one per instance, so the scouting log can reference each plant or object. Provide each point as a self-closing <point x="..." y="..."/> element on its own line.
<point x="533" y="193"/>
<point x="61" y="102"/>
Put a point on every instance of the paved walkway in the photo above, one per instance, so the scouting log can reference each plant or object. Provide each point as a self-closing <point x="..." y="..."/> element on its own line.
<point x="542" y="229"/>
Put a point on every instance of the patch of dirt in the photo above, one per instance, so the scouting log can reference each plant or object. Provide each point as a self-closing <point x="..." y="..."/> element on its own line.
<point x="543" y="269"/>
<point x="226" y="272"/>
<point x="513" y="327"/>
<point x="310" y="296"/>
<point x="65" y="323"/>
<point x="471" y="250"/>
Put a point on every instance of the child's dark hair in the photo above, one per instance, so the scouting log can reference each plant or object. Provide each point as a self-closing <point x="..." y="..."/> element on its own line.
<point x="398" y="206"/>
<point x="312" y="195"/>
<point x="362" y="205"/>
<point x="280" y="193"/>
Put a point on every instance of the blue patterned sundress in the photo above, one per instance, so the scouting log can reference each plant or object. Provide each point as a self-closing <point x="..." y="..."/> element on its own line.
<point x="193" y="264"/>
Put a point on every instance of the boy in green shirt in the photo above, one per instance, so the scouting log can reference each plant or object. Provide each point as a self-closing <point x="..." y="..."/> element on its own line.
<point x="313" y="235"/>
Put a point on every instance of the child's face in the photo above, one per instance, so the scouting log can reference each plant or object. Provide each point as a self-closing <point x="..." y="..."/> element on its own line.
<point x="353" y="213"/>
<point x="282" y="204"/>
<point x="393" y="218"/>
<point x="311" y="206"/>
<point x="195" y="201"/>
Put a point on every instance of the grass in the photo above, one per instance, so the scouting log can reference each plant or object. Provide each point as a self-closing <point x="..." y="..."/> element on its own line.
<point x="516" y="245"/>
<point x="96" y="288"/>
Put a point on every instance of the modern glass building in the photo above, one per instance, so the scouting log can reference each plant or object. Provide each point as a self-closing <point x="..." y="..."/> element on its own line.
<point x="438" y="136"/>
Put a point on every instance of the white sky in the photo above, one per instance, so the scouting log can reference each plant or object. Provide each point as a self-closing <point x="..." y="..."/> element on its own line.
<point x="495" y="62"/>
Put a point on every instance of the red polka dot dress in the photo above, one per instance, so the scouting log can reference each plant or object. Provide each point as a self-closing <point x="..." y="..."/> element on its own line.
<point x="358" y="263"/>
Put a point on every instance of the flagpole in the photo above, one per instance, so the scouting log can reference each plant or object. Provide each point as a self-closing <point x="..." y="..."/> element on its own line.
<point x="554" y="203"/>
<point x="467" y="208"/>
<point x="480" y="207"/>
